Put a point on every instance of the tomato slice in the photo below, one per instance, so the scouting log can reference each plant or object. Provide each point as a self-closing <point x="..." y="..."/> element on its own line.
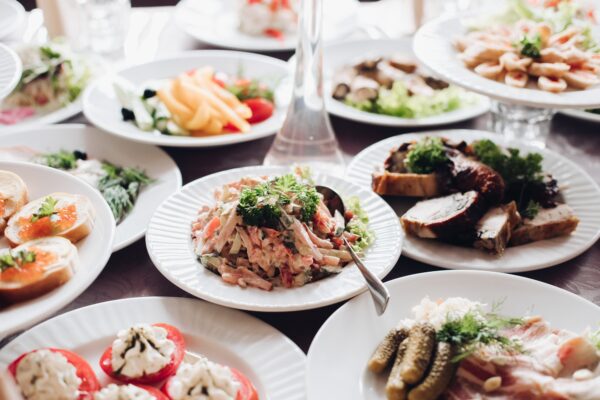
<point x="247" y="390"/>
<point x="262" y="109"/>
<point x="174" y="335"/>
<point x="89" y="381"/>
<point x="157" y="394"/>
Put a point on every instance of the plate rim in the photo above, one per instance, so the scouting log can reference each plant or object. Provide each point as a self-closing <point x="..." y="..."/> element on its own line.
<point x="261" y="307"/>
<point x="183" y="141"/>
<point x="16" y="73"/>
<point x="453" y="265"/>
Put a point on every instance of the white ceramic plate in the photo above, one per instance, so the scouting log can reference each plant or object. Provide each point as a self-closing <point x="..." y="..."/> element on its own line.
<point x="170" y="247"/>
<point x="151" y="159"/>
<point x="332" y="374"/>
<point x="579" y="190"/>
<point x="94" y="250"/>
<point x="10" y="69"/>
<point x="340" y="54"/>
<point x="582" y="114"/>
<point x="216" y="22"/>
<point x="102" y="108"/>
<point x="12" y="16"/>
<point x="433" y="46"/>
<point x="44" y="118"/>
<point x="268" y="358"/>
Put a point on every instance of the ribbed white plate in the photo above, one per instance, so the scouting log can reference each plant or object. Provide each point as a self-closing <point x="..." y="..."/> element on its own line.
<point x="157" y="164"/>
<point x="216" y="22"/>
<point x="332" y="374"/>
<point x="94" y="250"/>
<point x="433" y="46"/>
<point x="10" y="70"/>
<point x="579" y="190"/>
<point x="340" y="54"/>
<point x="101" y="107"/>
<point x="170" y="247"/>
<point x="273" y="362"/>
<point x="582" y="114"/>
<point x="42" y="118"/>
<point x="12" y="15"/>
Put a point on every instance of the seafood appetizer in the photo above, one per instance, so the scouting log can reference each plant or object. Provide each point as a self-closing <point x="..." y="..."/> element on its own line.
<point x="551" y="46"/>
<point x="42" y="233"/>
<point x="52" y="78"/>
<point x="274" y="18"/>
<point x="480" y="194"/>
<point x="396" y="86"/>
<point x="141" y="358"/>
<point x="199" y="102"/>
<point x="453" y="349"/>
<point x="276" y="231"/>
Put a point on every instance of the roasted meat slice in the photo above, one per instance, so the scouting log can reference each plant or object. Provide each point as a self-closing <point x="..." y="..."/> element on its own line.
<point x="493" y="230"/>
<point x="547" y="224"/>
<point x="469" y="174"/>
<point x="445" y="217"/>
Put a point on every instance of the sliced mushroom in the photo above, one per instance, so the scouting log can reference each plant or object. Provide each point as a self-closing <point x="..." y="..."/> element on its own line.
<point x="554" y="85"/>
<point x="403" y="63"/>
<point x="342" y="82"/>
<point x="489" y="70"/>
<point x="363" y="89"/>
<point x="551" y="70"/>
<point x="417" y="85"/>
<point x="516" y="79"/>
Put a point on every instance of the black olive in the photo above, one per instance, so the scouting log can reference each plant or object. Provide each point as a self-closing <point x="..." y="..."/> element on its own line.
<point x="149" y="93"/>
<point x="127" y="114"/>
<point x="80" y="155"/>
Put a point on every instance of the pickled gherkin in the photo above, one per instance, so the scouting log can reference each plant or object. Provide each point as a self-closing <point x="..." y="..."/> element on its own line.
<point x="439" y="376"/>
<point x="395" y="387"/>
<point x="385" y="352"/>
<point x="419" y="350"/>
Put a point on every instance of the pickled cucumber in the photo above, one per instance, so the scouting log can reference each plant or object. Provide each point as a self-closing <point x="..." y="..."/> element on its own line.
<point x="395" y="387"/>
<point x="419" y="350"/>
<point x="439" y="376"/>
<point x="385" y="352"/>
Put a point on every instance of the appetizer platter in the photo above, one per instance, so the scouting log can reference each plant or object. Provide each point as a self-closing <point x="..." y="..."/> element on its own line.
<point x="490" y="205"/>
<point x="131" y="185"/>
<point x="538" y="56"/>
<point x="485" y="333"/>
<point x="263" y="239"/>
<point x="197" y="99"/>
<point x="156" y="348"/>
<point x="259" y="25"/>
<point x="385" y="85"/>
<point x="57" y="237"/>
<point x="12" y="16"/>
<point x="50" y="86"/>
<point x="10" y="70"/>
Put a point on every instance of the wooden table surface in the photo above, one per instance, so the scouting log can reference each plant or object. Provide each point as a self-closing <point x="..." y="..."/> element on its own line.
<point x="130" y="273"/>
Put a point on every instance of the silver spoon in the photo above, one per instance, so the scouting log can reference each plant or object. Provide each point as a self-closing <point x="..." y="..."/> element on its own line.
<point x="378" y="291"/>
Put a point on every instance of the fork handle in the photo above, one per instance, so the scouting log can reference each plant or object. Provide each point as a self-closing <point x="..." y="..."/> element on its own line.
<point x="379" y="293"/>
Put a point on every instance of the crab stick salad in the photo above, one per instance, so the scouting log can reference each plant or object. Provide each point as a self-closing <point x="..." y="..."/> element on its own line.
<point x="264" y="232"/>
<point x="146" y="361"/>
<point x="199" y="102"/>
<point x="453" y="349"/>
<point x="274" y="18"/>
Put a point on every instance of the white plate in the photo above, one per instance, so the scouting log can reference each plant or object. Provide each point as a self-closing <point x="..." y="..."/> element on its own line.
<point x="157" y="164"/>
<point x="579" y="190"/>
<point x="10" y="70"/>
<point x="268" y="358"/>
<point x="170" y="247"/>
<point x="216" y="22"/>
<point x="12" y="15"/>
<point x="41" y="118"/>
<point x="332" y="374"/>
<point x="582" y="114"/>
<point x="433" y="46"/>
<point x="102" y="108"/>
<point x="94" y="250"/>
<point x="341" y="54"/>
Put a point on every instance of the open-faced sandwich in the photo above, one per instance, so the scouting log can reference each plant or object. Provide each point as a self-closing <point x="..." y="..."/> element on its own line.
<point x="146" y="359"/>
<point x="13" y="196"/>
<point x="453" y="349"/>
<point x="479" y="194"/>
<point x="264" y="232"/>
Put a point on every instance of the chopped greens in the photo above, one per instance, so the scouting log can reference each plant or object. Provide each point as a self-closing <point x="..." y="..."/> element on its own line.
<point x="426" y="156"/>
<point x="261" y="205"/>
<point x="475" y="330"/>
<point x="11" y="259"/>
<point x="46" y="209"/>
<point x="358" y="225"/>
<point x="63" y="159"/>
<point x="250" y="89"/>
<point x="533" y="208"/>
<point x="513" y="167"/>
<point x="531" y="46"/>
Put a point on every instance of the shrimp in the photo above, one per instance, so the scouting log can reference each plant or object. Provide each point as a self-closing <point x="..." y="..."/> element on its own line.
<point x="553" y="85"/>
<point x="512" y="62"/>
<point x="489" y="70"/>
<point x="550" y="70"/>
<point x="516" y="79"/>
<point x="581" y="79"/>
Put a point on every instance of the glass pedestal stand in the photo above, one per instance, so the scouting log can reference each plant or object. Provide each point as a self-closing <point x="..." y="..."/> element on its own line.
<point x="524" y="123"/>
<point x="306" y="138"/>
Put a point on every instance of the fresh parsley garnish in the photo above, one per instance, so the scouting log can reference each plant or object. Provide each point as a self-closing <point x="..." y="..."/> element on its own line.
<point x="511" y="165"/>
<point x="11" y="259"/>
<point x="63" y="159"/>
<point x="531" y="46"/>
<point x="46" y="209"/>
<point x="533" y="208"/>
<point x="251" y="90"/>
<point x="426" y="156"/>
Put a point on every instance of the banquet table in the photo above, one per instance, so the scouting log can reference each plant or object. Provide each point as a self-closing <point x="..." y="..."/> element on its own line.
<point x="130" y="272"/>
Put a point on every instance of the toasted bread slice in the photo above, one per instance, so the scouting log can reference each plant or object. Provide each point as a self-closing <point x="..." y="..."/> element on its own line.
<point x="13" y="196"/>
<point x="55" y="256"/>
<point x="406" y="184"/>
<point x="85" y="215"/>
<point x="547" y="224"/>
